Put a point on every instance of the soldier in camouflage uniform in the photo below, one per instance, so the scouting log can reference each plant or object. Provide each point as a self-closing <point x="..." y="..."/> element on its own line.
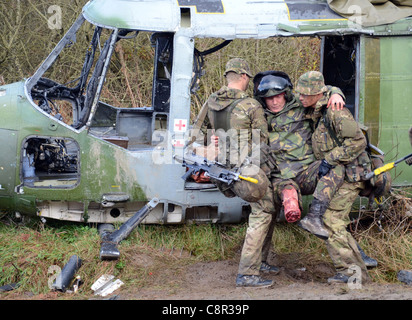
<point x="237" y="121"/>
<point x="290" y="134"/>
<point x="231" y="108"/>
<point x="291" y="159"/>
<point x="337" y="141"/>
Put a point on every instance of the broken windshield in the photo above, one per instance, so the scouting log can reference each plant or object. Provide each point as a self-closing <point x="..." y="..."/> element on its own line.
<point x="85" y="51"/>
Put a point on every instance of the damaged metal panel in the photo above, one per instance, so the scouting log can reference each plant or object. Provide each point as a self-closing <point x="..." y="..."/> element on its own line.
<point x="155" y="15"/>
<point x="313" y="10"/>
<point x="110" y="240"/>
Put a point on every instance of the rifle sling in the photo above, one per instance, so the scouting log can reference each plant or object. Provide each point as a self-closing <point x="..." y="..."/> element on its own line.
<point x="326" y="121"/>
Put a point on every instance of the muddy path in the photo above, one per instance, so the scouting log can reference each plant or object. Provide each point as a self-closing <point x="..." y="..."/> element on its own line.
<point x="192" y="282"/>
<point x="216" y="281"/>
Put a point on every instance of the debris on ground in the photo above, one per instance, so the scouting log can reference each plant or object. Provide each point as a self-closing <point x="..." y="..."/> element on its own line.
<point x="9" y="287"/>
<point x="405" y="276"/>
<point x="65" y="277"/>
<point x="106" y="285"/>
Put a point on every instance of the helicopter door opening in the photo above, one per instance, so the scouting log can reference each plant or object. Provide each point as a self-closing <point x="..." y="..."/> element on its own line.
<point x="163" y="43"/>
<point x="50" y="162"/>
<point x="340" y="61"/>
<point x="132" y="127"/>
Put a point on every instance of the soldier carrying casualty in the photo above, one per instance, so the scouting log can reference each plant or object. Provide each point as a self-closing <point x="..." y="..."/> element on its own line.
<point x="337" y="141"/>
<point x="276" y="86"/>
<point x="290" y="134"/>
<point x="239" y="127"/>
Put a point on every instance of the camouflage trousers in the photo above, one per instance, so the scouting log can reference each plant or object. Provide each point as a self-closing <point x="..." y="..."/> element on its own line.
<point x="340" y="195"/>
<point x="307" y="182"/>
<point x="341" y="245"/>
<point x="262" y="219"/>
<point x="259" y="234"/>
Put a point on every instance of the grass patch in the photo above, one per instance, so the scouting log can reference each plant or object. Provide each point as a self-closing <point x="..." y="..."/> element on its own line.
<point x="27" y="252"/>
<point x="384" y="233"/>
<point x="155" y="255"/>
<point x="206" y="242"/>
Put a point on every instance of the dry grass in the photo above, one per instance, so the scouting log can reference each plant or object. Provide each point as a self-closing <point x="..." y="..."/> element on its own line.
<point x="26" y="41"/>
<point x="28" y="250"/>
<point x="385" y="234"/>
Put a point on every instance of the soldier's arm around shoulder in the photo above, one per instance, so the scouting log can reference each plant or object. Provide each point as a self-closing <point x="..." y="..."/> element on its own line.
<point x="335" y="90"/>
<point x="350" y="135"/>
<point x="336" y="98"/>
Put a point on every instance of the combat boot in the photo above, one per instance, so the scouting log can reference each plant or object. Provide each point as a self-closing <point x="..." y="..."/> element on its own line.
<point x="338" y="278"/>
<point x="313" y="221"/>
<point x="369" y="262"/>
<point x="252" y="281"/>
<point x="267" y="268"/>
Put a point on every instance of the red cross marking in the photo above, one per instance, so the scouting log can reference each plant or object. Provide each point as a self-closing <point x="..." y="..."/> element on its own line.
<point x="180" y="125"/>
<point x="178" y="143"/>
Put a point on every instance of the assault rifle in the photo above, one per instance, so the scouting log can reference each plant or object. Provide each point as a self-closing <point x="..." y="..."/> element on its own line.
<point x="389" y="166"/>
<point x="212" y="169"/>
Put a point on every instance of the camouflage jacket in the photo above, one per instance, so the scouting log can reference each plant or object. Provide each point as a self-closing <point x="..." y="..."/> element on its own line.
<point x="290" y="137"/>
<point x="347" y="131"/>
<point x="230" y="109"/>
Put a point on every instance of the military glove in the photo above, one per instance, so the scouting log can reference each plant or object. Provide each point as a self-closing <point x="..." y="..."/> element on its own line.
<point x="324" y="168"/>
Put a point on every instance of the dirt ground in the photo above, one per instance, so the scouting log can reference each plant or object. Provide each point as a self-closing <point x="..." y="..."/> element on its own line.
<point x="216" y="281"/>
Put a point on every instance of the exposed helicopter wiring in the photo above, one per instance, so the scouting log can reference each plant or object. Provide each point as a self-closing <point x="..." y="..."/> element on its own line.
<point x="198" y="64"/>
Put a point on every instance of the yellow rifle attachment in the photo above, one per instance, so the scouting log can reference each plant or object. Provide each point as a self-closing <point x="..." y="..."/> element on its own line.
<point x="389" y="166"/>
<point x="253" y="180"/>
<point x="384" y="168"/>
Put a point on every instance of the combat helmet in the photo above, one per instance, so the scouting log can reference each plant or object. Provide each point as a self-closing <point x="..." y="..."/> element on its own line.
<point x="271" y="83"/>
<point x="239" y="66"/>
<point x="248" y="191"/>
<point x="311" y="83"/>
